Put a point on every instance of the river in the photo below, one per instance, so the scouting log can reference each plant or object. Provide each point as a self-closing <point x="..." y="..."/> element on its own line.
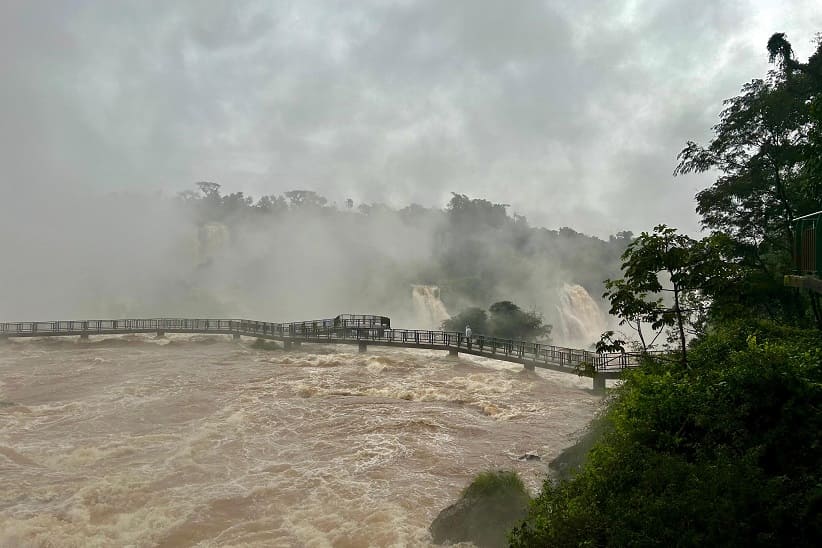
<point x="203" y="441"/>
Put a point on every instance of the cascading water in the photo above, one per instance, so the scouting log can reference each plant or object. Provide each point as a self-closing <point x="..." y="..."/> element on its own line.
<point x="212" y="237"/>
<point x="581" y="319"/>
<point x="429" y="310"/>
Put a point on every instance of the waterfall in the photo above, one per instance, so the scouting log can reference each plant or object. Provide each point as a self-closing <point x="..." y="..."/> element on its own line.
<point x="212" y="238"/>
<point x="581" y="321"/>
<point x="429" y="311"/>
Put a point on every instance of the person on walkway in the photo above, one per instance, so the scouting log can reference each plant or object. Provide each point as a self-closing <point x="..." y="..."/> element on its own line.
<point x="468" y="335"/>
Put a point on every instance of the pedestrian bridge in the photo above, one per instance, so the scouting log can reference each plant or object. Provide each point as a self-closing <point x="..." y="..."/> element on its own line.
<point x="360" y="330"/>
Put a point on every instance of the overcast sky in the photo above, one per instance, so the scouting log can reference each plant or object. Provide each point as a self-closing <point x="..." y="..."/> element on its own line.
<point x="572" y="112"/>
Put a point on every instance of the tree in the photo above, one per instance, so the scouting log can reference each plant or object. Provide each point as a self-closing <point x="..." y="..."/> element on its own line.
<point x="504" y="320"/>
<point x="476" y="317"/>
<point x="767" y="147"/>
<point x="208" y="188"/>
<point x="306" y="198"/>
<point x="666" y="262"/>
<point x="509" y="321"/>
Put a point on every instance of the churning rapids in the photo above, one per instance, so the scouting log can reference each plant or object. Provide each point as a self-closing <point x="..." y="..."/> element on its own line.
<point x="132" y="441"/>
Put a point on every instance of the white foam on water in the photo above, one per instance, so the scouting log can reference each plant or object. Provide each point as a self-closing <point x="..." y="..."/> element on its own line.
<point x="219" y="444"/>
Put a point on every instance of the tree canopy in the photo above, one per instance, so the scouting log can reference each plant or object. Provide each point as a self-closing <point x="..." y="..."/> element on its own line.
<point x="503" y="319"/>
<point x="767" y="148"/>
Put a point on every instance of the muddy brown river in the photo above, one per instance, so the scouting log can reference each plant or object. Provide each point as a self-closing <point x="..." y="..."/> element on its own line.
<point x="204" y="441"/>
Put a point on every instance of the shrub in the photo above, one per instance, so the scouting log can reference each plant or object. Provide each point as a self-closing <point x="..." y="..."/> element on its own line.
<point x="727" y="452"/>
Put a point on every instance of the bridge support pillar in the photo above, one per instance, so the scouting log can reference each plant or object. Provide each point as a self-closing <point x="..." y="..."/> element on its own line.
<point x="363" y="347"/>
<point x="286" y="345"/>
<point x="236" y="336"/>
<point x="453" y="352"/>
<point x="530" y="366"/>
<point x="161" y="334"/>
<point x="599" y="383"/>
<point x="83" y="336"/>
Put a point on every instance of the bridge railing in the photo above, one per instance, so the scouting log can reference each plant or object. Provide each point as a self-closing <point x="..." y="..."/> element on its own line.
<point x="342" y="328"/>
<point x="121" y="325"/>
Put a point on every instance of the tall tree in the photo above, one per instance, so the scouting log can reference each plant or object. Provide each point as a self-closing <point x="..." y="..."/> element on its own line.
<point x="766" y="148"/>
<point x="662" y="263"/>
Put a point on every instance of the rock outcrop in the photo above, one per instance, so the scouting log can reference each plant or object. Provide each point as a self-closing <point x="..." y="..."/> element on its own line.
<point x="488" y="509"/>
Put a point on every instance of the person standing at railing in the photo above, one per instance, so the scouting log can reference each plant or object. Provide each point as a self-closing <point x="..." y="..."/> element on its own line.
<point x="468" y="333"/>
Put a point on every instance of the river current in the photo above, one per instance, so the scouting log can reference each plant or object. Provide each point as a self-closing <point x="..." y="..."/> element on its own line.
<point x="204" y="441"/>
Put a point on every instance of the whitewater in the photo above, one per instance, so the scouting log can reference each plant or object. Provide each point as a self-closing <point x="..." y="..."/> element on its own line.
<point x="204" y="441"/>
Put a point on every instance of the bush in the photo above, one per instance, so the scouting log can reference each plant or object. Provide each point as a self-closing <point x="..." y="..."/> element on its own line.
<point x="495" y="482"/>
<point x="727" y="452"/>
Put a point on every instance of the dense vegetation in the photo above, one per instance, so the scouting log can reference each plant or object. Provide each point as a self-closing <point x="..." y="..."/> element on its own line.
<point x="503" y="319"/>
<point x="718" y="443"/>
<point x="474" y="250"/>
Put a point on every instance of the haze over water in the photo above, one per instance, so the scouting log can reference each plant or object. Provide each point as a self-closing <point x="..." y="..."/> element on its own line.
<point x="132" y="441"/>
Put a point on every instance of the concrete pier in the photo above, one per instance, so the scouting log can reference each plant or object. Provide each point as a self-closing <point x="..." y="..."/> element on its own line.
<point x="453" y="352"/>
<point x="236" y="336"/>
<point x="363" y="347"/>
<point x="161" y="333"/>
<point x="599" y="383"/>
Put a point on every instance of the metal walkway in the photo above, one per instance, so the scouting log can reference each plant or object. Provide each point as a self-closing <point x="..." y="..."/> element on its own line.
<point x="362" y="330"/>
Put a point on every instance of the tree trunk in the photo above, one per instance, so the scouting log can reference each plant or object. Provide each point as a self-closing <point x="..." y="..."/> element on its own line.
<point x="680" y="325"/>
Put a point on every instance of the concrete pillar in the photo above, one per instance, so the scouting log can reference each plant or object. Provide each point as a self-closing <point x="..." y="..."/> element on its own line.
<point x="363" y="346"/>
<point x="83" y="336"/>
<point x="599" y="383"/>
<point x="161" y="333"/>
<point x="236" y="336"/>
<point x="453" y="352"/>
<point x="286" y="345"/>
<point x="530" y="366"/>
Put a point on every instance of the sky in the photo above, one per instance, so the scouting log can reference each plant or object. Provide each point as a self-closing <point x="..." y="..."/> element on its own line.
<point x="571" y="112"/>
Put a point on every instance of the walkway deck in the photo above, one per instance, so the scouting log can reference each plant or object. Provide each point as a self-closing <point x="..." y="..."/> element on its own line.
<point x="349" y="329"/>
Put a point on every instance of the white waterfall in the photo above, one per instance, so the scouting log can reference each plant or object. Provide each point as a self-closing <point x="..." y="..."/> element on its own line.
<point x="429" y="311"/>
<point x="582" y="321"/>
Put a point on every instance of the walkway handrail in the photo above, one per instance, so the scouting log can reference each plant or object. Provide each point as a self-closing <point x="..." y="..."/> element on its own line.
<point x="342" y="329"/>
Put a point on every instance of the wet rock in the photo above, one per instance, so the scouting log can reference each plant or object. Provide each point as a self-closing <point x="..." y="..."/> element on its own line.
<point x="487" y="510"/>
<point x="571" y="458"/>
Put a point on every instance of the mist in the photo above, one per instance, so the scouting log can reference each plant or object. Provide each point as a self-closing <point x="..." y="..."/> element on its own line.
<point x="81" y="254"/>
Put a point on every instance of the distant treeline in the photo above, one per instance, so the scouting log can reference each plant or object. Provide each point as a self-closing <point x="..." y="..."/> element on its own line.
<point x="474" y="249"/>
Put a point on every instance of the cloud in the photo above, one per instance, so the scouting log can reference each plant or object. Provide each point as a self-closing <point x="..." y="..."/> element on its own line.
<point x="571" y="114"/>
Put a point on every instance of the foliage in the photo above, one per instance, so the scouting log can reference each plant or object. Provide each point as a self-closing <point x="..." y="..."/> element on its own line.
<point x="494" y="482"/>
<point x="472" y="249"/>
<point x="767" y="147"/>
<point x="666" y="261"/>
<point x="476" y="317"/>
<point x="609" y="342"/>
<point x="727" y="451"/>
<point x="509" y="321"/>
<point x="504" y="320"/>
<point x="736" y="439"/>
